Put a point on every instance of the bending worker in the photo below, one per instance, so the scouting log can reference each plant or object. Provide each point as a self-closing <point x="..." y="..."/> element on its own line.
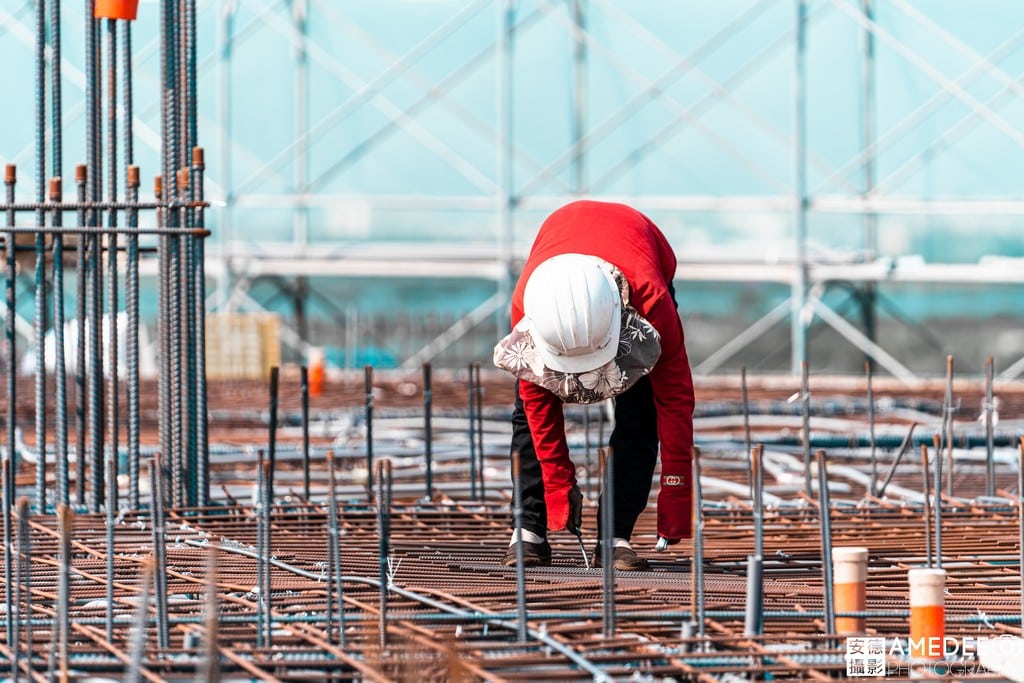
<point x="594" y="317"/>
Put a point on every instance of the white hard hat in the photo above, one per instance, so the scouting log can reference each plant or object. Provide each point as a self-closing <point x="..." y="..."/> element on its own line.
<point x="574" y="310"/>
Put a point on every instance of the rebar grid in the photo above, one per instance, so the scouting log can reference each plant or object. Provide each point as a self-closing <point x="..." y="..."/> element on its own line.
<point x="450" y="605"/>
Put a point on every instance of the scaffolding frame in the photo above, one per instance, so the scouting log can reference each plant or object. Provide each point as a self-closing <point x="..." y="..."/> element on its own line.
<point x="514" y="181"/>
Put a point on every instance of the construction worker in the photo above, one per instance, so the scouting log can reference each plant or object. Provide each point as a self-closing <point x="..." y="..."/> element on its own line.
<point x="594" y="317"/>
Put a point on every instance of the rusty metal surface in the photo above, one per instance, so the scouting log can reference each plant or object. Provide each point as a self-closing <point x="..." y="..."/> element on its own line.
<point x="451" y="609"/>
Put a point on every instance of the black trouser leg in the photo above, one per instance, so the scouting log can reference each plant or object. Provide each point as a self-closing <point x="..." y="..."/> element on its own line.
<point x="535" y="513"/>
<point x="634" y="448"/>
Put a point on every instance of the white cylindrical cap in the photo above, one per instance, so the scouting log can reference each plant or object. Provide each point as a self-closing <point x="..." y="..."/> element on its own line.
<point x="927" y="587"/>
<point x="850" y="565"/>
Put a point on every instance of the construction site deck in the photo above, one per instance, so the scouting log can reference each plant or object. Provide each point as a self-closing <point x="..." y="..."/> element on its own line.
<point x="388" y="577"/>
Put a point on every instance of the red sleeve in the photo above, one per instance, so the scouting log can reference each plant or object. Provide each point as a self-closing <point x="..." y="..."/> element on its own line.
<point x="672" y="384"/>
<point x="547" y="426"/>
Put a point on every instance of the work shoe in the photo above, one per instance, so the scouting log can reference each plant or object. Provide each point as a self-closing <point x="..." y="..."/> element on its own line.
<point x="534" y="554"/>
<point x="625" y="560"/>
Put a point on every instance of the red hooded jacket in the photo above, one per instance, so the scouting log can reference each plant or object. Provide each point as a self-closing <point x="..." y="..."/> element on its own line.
<point x="633" y="243"/>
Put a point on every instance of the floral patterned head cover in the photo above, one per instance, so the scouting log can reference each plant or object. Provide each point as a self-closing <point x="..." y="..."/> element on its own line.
<point x="639" y="350"/>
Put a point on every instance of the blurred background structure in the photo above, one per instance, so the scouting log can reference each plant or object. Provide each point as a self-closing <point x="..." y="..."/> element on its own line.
<point x="228" y="188"/>
<point x="840" y="178"/>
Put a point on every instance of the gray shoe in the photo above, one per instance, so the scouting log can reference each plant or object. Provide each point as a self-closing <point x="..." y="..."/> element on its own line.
<point x="625" y="560"/>
<point x="534" y="554"/>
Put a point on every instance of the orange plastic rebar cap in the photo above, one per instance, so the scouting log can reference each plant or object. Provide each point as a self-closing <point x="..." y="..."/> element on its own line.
<point x="116" y="9"/>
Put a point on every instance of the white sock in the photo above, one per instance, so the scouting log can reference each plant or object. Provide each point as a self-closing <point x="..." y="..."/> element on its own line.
<point x="621" y="543"/>
<point x="528" y="536"/>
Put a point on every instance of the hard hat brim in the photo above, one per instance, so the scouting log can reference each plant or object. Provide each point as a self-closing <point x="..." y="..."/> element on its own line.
<point x="584" y="362"/>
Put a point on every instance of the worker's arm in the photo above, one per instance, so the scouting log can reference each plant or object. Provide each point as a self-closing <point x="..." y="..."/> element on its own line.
<point x="672" y="384"/>
<point x="547" y="427"/>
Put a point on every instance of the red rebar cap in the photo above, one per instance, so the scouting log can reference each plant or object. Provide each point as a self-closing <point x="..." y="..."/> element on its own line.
<point x="116" y="9"/>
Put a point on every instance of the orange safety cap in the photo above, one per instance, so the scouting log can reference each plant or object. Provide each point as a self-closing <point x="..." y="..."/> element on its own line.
<point x="116" y="9"/>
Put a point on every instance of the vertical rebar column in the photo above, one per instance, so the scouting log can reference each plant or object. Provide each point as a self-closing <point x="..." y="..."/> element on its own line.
<point x="25" y="551"/>
<point x="747" y="443"/>
<point x="137" y="641"/>
<point x="825" y="512"/>
<point x="272" y="435"/>
<point x="176" y="333"/>
<point x="260" y="503"/>
<point x="191" y="314"/>
<point x="990" y="471"/>
<point x="938" y="502"/>
<point x="65" y="517"/>
<point x="189" y="76"/>
<point x="428" y="434"/>
<point x="56" y="150"/>
<point x="517" y="518"/>
<point x="131" y="293"/>
<point x="334" y="553"/>
<point x="94" y="376"/>
<point x="948" y="429"/>
<point x="211" y="620"/>
<point x="304" y="406"/>
<point x="927" y="506"/>
<point x="113" y="381"/>
<point x="472" y="435"/>
<point x="757" y="477"/>
<point x="805" y="412"/>
<point x="127" y="110"/>
<point x="586" y="450"/>
<point x="698" y="545"/>
<point x="384" y="542"/>
<point x="56" y="109"/>
<point x="159" y="549"/>
<point x="21" y="591"/>
<point x="111" y="516"/>
<point x="753" y="623"/>
<point x="10" y="341"/>
<point x="199" y="282"/>
<point x="873" y="485"/>
<point x="1020" y="519"/>
<point x="94" y="304"/>
<point x="163" y="321"/>
<point x="480" y="431"/>
<point x="607" y="544"/>
<point x="10" y="177"/>
<point x="60" y="428"/>
<point x="188" y="346"/>
<point x="267" y="502"/>
<point x="12" y="640"/>
<point x="368" y="400"/>
<point x="40" y="320"/>
<point x="81" y="283"/>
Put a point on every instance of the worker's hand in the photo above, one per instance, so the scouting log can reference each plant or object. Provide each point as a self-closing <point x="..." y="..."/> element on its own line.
<point x="675" y="508"/>
<point x="575" y="510"/>
<point x="565" y="508"/>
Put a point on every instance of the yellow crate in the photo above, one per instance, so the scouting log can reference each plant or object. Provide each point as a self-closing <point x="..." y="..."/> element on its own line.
<point x="242" y="345"/>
